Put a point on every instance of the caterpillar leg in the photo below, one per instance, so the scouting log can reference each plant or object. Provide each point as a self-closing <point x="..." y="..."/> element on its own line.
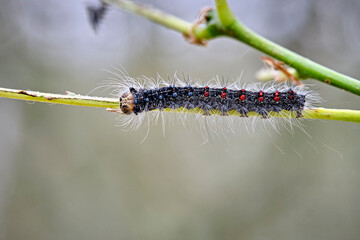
<point x="299" y="114"/>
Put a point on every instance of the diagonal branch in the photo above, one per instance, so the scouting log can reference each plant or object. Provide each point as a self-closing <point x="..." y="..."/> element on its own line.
<point x="305" y="67"/>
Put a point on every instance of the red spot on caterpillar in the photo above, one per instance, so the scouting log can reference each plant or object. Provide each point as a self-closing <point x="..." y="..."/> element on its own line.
<point x="206" y="93"/>
<point x="261" y="94"/>
<point x="223" y="94"/>
<point x="277" y="98"/>
<point x="291" y="92"/>
<point x="242" y="96"/>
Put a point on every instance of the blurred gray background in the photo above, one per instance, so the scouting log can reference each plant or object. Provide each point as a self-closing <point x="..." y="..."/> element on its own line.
<point x="69" y="173"/>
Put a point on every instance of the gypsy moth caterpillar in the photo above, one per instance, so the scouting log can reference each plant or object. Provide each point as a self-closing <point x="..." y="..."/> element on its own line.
<point x="213" y="106"/>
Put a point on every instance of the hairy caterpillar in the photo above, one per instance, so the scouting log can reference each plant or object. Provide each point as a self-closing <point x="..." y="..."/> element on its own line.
<point x="209" y="100"/>
<point x="148" y="99"/>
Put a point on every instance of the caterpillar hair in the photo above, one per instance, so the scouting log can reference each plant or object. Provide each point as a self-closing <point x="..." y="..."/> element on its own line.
<point x="147" y="99"/>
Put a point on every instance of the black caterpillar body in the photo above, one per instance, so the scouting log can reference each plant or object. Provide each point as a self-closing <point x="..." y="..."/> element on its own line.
<point x="243" y="101"/>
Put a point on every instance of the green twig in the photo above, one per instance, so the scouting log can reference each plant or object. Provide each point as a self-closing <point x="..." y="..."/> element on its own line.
<point x="69" y="98"/>
<point x="305" y="67"/>
<point x="224" y="23"/>
<point x="113" y="103"/>
<point x="164" y="19"/>
<point x="333" y="114"/>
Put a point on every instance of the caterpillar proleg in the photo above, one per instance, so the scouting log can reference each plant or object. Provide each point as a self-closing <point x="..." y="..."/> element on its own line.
<point x="214" y="102"/>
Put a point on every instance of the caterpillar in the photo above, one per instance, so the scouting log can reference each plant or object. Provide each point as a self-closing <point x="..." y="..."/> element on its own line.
<point x="208" y="99"/>
<point x="213" y="100"/>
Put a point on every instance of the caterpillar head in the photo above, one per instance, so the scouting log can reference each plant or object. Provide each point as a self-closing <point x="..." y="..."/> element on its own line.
<point x="127" y="103"/>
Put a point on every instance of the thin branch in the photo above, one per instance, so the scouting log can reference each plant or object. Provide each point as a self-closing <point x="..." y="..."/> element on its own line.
<point x="113" y="103"/>
<point x="69" y="98"/>
<point x="333" y="114"/>
<point x="224" y="23"/>
<point x="167" y="20"/>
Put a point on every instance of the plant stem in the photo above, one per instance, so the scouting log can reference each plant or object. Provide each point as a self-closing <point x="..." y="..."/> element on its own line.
<point x="167" y="20"/>
<point x="333" y="114"/>
<point x="69" y="98"/>
<point x="305" y="67"/>
<point x="113" y="103"/>
<point x="224" y="23"/>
